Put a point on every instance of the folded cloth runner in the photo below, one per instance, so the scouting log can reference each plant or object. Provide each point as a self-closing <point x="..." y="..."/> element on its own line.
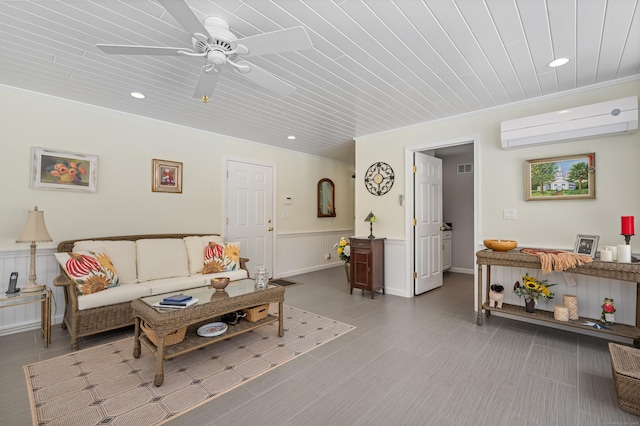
<point x="557" y="260"/>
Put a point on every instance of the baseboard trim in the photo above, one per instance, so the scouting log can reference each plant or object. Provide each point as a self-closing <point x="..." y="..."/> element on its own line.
<point x="309" y="269"/>
<point x="461" y="270"/>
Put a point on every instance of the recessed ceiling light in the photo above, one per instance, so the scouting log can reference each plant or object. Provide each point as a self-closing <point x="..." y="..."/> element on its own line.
<point x="558" y="62"/>
<point x="291" y="137"/>
<point x="137" y="95"/>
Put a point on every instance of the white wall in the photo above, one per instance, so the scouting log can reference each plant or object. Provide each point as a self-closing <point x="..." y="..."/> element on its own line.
<point x="552" y="224"/>
<point x="124" y="202"/>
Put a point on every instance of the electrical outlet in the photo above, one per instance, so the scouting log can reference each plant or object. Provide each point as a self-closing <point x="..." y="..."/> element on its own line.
<point x="571" y="281"/>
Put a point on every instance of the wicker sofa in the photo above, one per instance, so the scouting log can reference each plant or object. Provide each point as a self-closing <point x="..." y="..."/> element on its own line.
<point x="147" y="265"/>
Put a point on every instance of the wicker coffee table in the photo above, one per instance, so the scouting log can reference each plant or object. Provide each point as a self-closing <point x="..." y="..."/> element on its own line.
<point x="211" y="304"/>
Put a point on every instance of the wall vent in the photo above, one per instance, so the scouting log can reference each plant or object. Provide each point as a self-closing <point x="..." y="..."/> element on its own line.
<point x="465" y="168"/>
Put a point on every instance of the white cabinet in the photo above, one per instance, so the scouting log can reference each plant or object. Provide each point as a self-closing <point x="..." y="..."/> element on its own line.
<point x="446" y="250"/>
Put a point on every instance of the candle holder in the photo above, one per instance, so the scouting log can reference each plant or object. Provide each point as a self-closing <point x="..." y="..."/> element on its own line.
<point x="627" y="238"/>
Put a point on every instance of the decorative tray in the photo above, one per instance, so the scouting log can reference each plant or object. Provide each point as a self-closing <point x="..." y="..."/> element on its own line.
<point x="212" y="329"/>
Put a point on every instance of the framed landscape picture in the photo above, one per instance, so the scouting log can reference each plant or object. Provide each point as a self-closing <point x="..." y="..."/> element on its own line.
<point x="166" y="176"/>
<point x="69" y="171"/>
<point x="560" y="178"/>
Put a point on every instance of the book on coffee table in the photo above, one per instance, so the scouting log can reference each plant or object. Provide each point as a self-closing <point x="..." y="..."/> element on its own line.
<point x="175" y="305"/>
<point x="177" y="298"/>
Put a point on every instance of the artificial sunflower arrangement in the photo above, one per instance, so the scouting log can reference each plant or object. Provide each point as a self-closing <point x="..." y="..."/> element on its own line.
<point x="343" y="248"/>
<point x="531" y="288"/>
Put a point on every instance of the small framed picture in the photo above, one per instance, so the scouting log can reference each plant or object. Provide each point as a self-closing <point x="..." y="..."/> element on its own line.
<point x="166" y="176"/>
<point x="586" y="244"/>
<point x="68" y="171"/>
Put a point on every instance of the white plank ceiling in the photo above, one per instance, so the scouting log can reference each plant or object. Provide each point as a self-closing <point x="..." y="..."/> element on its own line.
<point x="375" y="65"/>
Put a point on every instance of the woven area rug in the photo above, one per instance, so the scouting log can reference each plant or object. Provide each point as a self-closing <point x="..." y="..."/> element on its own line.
<point x="107" y="385"/>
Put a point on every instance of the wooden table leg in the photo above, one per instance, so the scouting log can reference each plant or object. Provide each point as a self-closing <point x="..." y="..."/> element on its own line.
<point x="280" y="320"/>
<point x="488" y="287"/>
<point x="136" y="338"/>
<point x="480" y="320"/>
<point x="47" y="319"/>
<point x="159" y="362"/>
<point x="636" y="342"/>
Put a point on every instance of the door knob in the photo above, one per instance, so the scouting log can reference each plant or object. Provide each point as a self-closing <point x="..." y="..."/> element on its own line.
<point x="442" y="228"/>
<point x="269" y="229"/>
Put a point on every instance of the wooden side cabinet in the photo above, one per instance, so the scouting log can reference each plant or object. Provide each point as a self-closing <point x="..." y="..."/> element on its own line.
<point x="367" y="264"/>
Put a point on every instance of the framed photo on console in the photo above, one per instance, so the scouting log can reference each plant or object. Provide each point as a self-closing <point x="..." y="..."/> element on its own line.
<point x="166" y="176"/>
<point x="69" y="171"/>
<point x="586" y="244"/>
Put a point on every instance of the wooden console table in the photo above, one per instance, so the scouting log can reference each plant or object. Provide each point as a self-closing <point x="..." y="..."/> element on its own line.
<point x="514" y="258"/>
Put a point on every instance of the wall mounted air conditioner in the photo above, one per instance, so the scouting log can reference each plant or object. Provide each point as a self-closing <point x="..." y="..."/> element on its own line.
<point x="604" y="118"/>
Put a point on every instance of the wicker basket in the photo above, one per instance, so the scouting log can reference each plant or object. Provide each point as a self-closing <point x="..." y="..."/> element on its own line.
<point x="170" y="339"/>
<point x="256" y="313"/>
<point x="625" y="364"/>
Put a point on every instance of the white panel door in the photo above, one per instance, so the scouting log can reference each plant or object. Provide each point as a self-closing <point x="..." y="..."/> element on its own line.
<point x="250" y="212"/>
<point x="428" y="213"/>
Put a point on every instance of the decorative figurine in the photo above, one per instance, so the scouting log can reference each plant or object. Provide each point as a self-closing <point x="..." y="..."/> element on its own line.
<point x="496" y="295"/>
<point x="607" y="311"/>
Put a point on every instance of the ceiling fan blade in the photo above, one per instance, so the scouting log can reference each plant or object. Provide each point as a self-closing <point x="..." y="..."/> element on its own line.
<point x="206" y="83"/>
<point x="140" y="50"/>
<point x="286" y="40"/>
<point x="267" y="80"/>
<point x="184" y="15"/>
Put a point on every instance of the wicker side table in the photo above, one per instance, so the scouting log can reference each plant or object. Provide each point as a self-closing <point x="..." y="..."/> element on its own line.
<point x="625" y="365"/>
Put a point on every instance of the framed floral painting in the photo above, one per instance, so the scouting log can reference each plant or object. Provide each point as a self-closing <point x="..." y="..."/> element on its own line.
<point x="166" y="176"/>
<point x="69" y="171"/>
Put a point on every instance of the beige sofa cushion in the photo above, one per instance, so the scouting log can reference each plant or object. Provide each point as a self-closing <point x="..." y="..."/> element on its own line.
<point x="122" y="254"/>
<point x="195" y="251"/>
<point x="111" y="296"/>
<point x="161" y="258"/>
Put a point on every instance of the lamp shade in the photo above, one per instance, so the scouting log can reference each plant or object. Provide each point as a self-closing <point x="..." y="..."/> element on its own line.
<point x="34" y="229"/>
<point x="371" y="218"/>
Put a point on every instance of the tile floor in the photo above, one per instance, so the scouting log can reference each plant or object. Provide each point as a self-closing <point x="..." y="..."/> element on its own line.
<point x="420" y="361"/>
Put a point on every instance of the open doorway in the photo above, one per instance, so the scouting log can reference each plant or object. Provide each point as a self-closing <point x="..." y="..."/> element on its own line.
<point x="458" y="165"/>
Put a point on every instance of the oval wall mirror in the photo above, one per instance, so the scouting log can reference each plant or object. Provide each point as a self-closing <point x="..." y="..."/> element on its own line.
<point x="326" y="198"/>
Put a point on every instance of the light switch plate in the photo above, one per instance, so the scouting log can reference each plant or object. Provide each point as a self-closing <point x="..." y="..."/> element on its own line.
<point x="509" y="214"/>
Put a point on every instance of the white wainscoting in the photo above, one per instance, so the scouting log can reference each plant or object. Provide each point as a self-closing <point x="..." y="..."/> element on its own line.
<point x="299" y="253"/>
<point x="306" y="252"/>
<point x="397" y="279"/>
<point x="591" y="292"/>
<point x="27" y="317"/>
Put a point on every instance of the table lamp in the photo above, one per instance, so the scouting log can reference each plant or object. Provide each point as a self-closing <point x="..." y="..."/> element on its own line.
<point x="34" y="231"/>
<point x="371" y="218"/>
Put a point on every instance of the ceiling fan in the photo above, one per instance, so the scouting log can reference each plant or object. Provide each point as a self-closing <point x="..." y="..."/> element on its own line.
<point x="220" y="48"/>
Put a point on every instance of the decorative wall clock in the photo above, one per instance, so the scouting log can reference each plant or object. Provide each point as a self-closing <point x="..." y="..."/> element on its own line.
<point x="379" y="178"/>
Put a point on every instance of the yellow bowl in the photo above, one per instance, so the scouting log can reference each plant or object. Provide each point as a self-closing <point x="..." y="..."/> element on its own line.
<point x="500" y="245"/>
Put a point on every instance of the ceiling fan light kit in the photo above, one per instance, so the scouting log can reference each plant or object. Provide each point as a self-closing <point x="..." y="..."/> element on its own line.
<point x="213" y="41"/>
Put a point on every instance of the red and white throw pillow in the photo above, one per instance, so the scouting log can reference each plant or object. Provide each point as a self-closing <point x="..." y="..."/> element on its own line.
<point x="91" y="270"/>
<point x="221" y="257"/>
